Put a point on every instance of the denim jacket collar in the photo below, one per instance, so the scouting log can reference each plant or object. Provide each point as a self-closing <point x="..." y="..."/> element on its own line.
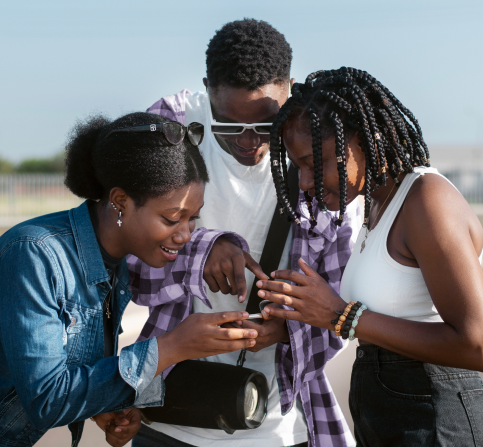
<point x="87" y="246"/>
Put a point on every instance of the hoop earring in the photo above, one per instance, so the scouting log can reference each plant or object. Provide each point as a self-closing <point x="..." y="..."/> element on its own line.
<point x="119" y="221"/>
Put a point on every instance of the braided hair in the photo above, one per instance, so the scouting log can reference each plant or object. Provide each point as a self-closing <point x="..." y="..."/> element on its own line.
<point x="339" y="103"/>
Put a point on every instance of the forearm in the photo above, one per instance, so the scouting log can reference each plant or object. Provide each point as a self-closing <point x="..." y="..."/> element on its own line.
<point x="437" y="343"/>
<point x="77" y="394"/>
<point x="169" y="352"/>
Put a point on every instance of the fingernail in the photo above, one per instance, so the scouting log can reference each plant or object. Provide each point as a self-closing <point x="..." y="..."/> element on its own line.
<point x="253" y="334"/>
<point x="259" y="284"/>
<point x="303" y="261"/>
<point x="261" y="293"/>
<point x="240" y="298"/>
<point x="124" y="420"/>
<point x="266" y="310"/>
<point x="245" y="314"/>
<point x="272" y="274"/>
<point x="118" y="429"/>
<point x="252" y="342"/>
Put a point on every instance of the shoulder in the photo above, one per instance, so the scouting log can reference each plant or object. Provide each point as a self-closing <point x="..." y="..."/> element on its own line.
<point x="435" y="209"/>
<point x="39" y="232"/>
<point x="176" y="107"/>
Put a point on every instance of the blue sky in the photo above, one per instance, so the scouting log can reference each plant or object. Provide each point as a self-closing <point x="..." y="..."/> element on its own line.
<point x="62" y="60"/>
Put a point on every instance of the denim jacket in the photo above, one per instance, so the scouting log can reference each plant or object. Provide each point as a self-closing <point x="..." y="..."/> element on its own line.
<point x="52" y="367"/>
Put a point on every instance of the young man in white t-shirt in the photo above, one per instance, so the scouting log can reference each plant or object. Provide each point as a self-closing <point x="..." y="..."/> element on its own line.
<point x="248" y="80"/>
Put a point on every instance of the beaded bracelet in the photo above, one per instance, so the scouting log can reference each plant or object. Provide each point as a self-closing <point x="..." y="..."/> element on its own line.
<point x="349" y="320"/>
<point x="343" y="317"/>
<point x="355" y="321"/>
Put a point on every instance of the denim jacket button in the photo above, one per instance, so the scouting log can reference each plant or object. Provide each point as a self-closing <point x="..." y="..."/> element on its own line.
<point x="360" y="354"/>
<point x="122" y="292"/>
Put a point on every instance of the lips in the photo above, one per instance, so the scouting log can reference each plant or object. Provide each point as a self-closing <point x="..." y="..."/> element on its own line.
<point x="246" y="153"/>
<point x="169" y="253"/>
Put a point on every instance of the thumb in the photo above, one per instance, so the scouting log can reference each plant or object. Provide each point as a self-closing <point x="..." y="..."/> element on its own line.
<point x="121" y="417"/>
<point x="220" y="318"/>
<point x="309" y="271"/>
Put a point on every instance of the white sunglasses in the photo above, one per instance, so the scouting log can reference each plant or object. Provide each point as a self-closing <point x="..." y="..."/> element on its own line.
<point x="239" y="128"/>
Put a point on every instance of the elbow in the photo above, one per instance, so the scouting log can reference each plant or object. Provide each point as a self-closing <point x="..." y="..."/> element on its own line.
<point x="40" y="419"/>
<point x="474" y="352"/>
<point x="43" y="412"/>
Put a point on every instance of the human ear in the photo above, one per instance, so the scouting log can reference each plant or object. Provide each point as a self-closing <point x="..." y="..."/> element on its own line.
<point x="292" y="82"/>
<point x="205" y="83"/>
<point x="119" y="198"/>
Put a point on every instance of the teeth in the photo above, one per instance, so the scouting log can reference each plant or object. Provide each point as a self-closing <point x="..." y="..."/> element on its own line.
<point x="169" y="251"/>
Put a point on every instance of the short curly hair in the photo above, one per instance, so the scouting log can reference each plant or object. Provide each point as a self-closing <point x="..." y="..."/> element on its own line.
<point x="248" y="54"/>
<point x="145" y="165"/>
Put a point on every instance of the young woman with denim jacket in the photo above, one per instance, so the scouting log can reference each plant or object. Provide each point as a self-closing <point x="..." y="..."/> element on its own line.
<point x="414" y="275"/>
<point x="64" y="284"/>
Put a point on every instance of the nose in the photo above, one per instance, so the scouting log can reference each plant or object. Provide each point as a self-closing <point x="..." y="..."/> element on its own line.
<point x="306" y="181"/>
<point x="248" y="139"/>
<point x="183" y="235"/>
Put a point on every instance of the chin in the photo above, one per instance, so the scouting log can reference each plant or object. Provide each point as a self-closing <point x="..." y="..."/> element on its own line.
<point x="332" y="203"/>
<point x="252" y="160"/>
<point x="155" y="263"/>
<point x="245" y="161"/>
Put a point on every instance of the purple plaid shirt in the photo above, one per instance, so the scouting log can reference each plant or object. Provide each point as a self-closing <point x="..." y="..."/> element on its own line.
<point x="300" y="365"/>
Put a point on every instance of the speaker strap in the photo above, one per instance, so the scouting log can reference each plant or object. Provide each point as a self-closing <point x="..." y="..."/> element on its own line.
<point x="276" y="240"/>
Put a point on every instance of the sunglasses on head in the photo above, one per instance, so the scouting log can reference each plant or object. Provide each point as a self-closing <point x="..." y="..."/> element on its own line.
<point x="239" y="128"/>
<point x="172" y="131"/>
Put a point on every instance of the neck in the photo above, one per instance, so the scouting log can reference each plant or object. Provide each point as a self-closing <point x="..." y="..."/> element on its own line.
<point x="110" y="235"/>
<point x="381" y="198"/>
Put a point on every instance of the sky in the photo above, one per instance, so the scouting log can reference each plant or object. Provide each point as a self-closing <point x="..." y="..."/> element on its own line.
<point x="63" y="60"/>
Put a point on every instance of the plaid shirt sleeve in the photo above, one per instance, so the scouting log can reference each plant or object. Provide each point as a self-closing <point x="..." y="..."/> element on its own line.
<point x="169" y="291"/>
<point x="300" y="365"/>
<point x="171" y="107"/>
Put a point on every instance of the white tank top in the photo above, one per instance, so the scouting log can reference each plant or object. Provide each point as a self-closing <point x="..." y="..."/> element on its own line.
<point x="374" y="278"/>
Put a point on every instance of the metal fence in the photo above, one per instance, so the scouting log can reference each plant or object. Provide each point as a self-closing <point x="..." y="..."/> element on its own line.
<point x="23" y="196"/>
<point x="469" y="182"/>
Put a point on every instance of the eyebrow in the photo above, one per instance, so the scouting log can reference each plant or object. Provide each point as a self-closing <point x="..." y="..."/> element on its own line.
<point x="177" y="208"/>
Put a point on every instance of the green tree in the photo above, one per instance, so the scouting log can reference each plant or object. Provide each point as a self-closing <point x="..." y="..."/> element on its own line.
<point x="53" y="164"/>
<point x="6" y="167"/>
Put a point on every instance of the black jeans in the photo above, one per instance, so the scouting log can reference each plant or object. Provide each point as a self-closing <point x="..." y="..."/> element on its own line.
<point x="147" y="437"/>
<point x="398" y="401"/>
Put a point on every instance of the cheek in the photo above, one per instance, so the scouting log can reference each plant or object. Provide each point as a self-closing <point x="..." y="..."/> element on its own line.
<point x="192" y="226"/>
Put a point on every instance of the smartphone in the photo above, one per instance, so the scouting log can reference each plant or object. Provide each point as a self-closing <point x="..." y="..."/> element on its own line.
<point x="256" y="318"/>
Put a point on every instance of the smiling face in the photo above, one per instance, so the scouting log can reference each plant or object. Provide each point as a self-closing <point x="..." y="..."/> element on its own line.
<point x="156" y="231"/>
<point x="298" y="142"/>
<point x="239" y="105"/>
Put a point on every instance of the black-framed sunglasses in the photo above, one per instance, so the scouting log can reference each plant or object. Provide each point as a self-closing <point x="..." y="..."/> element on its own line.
<point x="173" y="132"/>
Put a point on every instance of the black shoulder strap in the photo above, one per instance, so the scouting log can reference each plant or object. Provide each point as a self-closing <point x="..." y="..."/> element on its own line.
<point x="276" y="239"/>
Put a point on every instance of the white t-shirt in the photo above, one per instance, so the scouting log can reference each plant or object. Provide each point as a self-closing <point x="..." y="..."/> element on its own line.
<point x="241" y="199"/>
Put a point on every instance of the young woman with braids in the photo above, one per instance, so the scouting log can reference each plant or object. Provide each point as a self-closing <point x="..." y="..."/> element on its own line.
<point x="412" y="291"/>
<point x="64" y="283"/>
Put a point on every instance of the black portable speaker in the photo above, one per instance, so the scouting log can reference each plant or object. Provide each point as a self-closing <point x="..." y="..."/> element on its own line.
<point x="212" y="395"/>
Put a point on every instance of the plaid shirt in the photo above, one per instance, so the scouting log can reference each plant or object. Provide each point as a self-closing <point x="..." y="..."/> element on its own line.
<point x="169" y="291"/>
<point x="300" y="365"/>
